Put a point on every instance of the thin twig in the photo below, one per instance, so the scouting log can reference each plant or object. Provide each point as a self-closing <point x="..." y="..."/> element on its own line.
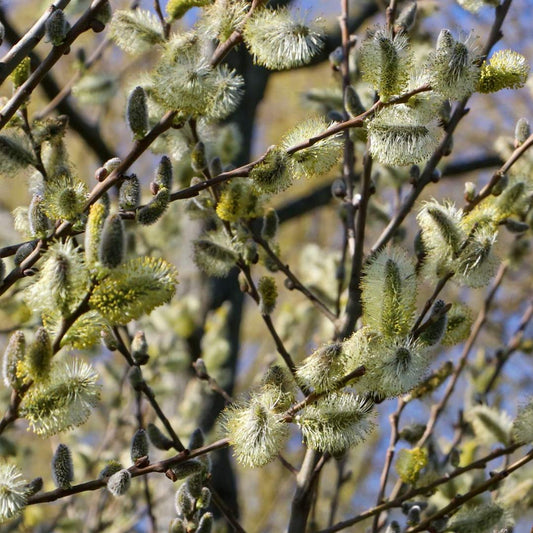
<point x="147" y="391"/>
<point x="438" y="408"/>
<point x="225" y="510"/>
<point x="164" y="24"/>
<point x="498" y="175"/>
<point x="412" y="492"/>
<point x="394" y="438"/>
<point x="25" y="90"/>
<point x="26" y="44"/>
<point x="159" y="467"/>
<point x="460" y="499"/>
<point x="298" y="285"/>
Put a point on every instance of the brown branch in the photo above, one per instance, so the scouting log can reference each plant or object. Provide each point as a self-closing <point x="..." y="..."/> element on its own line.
<point x="24" y="91"/>
<point x="411" y="493"/>
<point x="159" y="467"/>
<point x="164" y="24"/>
<point x="66" y="90"/>
<point x="147" y="391"/>
<point x="430" y="301"/>
<point x="503" y="355"/>
<point x="314" y="396"/>
<point x="225" y="510"/>
<point x="460" y="499"/>
<point x="298" y="285"/>
<point x="391" y="450"/>
<point x="26" y="44"/>
<point x="476" y="329"/>
<point x="390" y="15"/>
<point x="498" y="175"/>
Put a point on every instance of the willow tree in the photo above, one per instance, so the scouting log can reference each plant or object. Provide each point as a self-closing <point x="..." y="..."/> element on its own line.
<point x="123" y="294"/>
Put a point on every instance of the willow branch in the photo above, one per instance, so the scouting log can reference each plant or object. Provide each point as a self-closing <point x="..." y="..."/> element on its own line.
<point x="412" y="492"/>
<point x="159" y="467"/>
<point x="24" y="91"/>
<point x="26" y="44"/>
<point x="298" y="285"/>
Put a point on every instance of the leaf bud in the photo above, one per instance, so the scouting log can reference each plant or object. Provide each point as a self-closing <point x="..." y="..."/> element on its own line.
<point x="112" y="242"/>
<point x="197" y="439"/>
<point x="96" y="25"/>
<point x="163" y="176"/>
<point x="394" y="527"/>
<point x="447" y="148"/>
<point x="500" y="185"/>
<point x="103" y="13"/>
<point x="436" y="326"/>
<point x="139" y="445"/>
<point x="23" y="252"/>
<point x="195" y="483"/>
<point x="334" y="116"/>
<point x="39" y="223"/>
<point x="521" y="132"/>
<point x="445" y="112"/>
<point x="154" y="188"/>
<point x="215" y="167"/>
<point x="62" y="468"/>
<point x="139" y="348"/>
<point x="436" y="175"/>
<point x="338" y="189"/>
<point x="414" y="174"/>
<point x="136" y="378"/>
<point x="112" y="467"/>
<point x="137" y="112"/>
<point x="130" y="194"/>
<point x="270" y="225"/>
<point x="151" y="212"/>
<point x="249" y="252"/>
<point x="201" y="369"/>
<point x="119" y="483"/>
<point x="470" y="191"/>
<point x="515" y="226"/>
<point x="184" y="470"/>
<point x="455" y="457"/>
<point x="39" y="355"/>
<point x="289" y="284"/>
<point x="109" y="339"/>
<point x="13" y="355"/>
<point x="184" y="502"/>
<point x="352" y="102"/>
<point x="412" y="433"/>
<point x="34" y="486"/>
<point x="413" y="516"/>
<point x="407" y="17"/>
<point x="112" y="164"/>
<point x="336" y="57"/>
<point x="157" y="438"/>
<point x="57" y="27"/>
<point x="205" y="525"/>
<point x="268" y="294"/>
<point x="198" y="159"/>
